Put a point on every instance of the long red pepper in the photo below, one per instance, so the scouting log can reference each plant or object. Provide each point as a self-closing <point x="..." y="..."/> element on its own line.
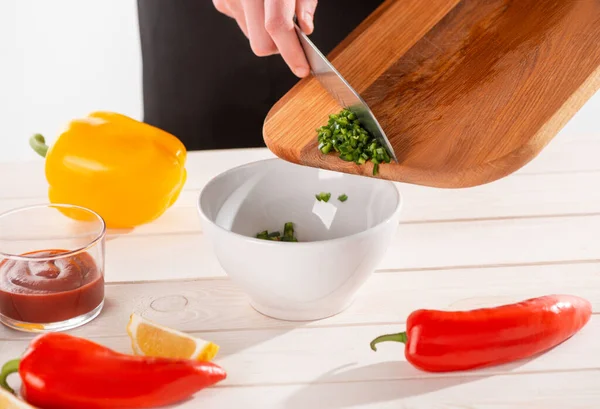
<point x="440" y="341"/>
<point x="59" y="371"/>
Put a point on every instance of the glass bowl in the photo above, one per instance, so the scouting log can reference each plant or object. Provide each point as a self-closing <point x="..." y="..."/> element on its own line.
<point x="51" y="267"/>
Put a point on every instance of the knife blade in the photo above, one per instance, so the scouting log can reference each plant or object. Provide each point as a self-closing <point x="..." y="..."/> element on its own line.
<point x="341" y="90"/>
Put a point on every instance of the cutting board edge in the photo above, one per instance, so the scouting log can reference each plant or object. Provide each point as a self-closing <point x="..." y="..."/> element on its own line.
<point x="452" y="180"/>
<point x="497" y="168"/>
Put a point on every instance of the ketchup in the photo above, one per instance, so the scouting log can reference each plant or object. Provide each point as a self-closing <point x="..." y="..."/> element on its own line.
<point x="50" y="291"/>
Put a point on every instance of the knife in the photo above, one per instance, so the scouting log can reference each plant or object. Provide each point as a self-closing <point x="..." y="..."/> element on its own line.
<point x="341" y="90"/>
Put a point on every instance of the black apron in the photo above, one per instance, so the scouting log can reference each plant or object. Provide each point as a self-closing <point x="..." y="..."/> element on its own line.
<point x="201" y="80"/>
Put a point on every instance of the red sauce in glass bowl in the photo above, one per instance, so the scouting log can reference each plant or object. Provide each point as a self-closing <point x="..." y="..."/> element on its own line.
<point x="50" y="291"/>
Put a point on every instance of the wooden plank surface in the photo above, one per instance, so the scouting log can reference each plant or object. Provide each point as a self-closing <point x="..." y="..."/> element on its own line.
<point x="331" y="353"/>
<point x="415" y="247"/>
<point x="571" y="389"/>
<point x="347" y="349"/>
<point x="550" y="199"/>
<point x="217" y="304"/>
<point x="563" y="193"/>
<point x="530" y="234"/>
<point x="567" y="153"/>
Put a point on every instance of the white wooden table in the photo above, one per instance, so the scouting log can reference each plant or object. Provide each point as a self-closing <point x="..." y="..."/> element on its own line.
<point x="533" y="233"/>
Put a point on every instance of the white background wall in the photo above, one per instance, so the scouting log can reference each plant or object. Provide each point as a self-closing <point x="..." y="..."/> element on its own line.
<point x="61" y="59"/>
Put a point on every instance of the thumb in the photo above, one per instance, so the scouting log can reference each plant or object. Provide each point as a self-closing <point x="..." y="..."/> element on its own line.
<point x="305" y="11"/>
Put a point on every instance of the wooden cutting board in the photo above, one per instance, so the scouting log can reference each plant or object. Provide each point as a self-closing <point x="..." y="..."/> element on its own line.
<point x="467" y="91"/>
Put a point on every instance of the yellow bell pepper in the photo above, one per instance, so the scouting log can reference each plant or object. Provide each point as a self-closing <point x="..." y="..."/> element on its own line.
<point x="127" y="171"/>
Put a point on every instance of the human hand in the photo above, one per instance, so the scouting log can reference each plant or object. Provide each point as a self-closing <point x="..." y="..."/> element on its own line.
<point x="269" y="25"/>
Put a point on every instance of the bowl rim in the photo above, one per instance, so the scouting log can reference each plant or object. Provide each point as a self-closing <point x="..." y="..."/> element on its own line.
<point x="394" y="213"/>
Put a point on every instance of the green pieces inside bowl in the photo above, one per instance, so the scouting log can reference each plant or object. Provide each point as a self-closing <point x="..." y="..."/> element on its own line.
<point x="288" y="234"/>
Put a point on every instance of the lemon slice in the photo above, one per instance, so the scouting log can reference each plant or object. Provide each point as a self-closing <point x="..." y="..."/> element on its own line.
<point x="10" y="401"/>
<point x="151" y="339"/>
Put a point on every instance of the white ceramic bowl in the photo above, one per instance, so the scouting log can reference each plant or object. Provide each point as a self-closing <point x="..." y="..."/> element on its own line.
<point x="339" y="243"/>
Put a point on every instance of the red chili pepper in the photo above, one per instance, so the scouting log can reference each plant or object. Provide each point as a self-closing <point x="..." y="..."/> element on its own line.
<point x="59" y="371"/>
<point x="441" y="341"/>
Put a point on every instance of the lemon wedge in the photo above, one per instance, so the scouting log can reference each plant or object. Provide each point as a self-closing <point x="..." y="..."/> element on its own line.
<point x="151" y="339"/>
<point x="10" y="401"/>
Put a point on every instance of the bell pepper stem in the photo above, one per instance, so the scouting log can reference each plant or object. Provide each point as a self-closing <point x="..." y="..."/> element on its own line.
<point x="9" y="368"/>
<point x="399" y="337"/>
<point x="38" y="144"/>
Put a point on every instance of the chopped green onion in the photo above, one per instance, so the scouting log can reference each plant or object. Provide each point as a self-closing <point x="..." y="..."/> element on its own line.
<point x="326" y="148"/>
<point x="288" y="234"/>
<point x="288" y="230"/>
<point x="263" y="235"/>
<point x="345" y="135"/>
<point x="324" y="197"/>
<point x="342" y="198"/>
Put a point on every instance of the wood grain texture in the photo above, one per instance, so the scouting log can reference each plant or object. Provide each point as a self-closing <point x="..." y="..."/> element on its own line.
<point x="243" y="352"/>
<point x="555" y="183"/>
<point x="414" y="247"/>
<point x="571" y="389"/>
<point x="560" y="390"/>
<point x="570" y="152"/>
<point x="258" y="352"/>
<point x="532" y="195"/>
<point x="530" y="234"/>
<point x="550" y="198"/>
<point x="218" y="305"/>
<point x="467" y="92"/>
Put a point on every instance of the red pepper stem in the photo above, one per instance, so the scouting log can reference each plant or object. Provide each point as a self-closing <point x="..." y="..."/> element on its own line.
<point x="399" y="337"/>
<point x="38" y="144"/>
<point x="9" y="368"/>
